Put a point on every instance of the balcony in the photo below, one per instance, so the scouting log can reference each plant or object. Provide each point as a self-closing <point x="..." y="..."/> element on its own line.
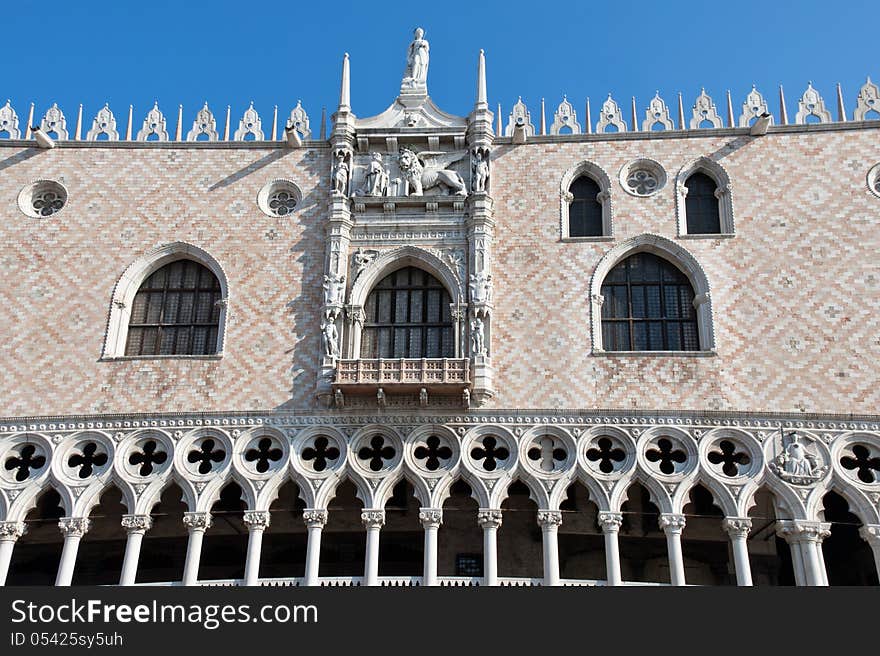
<point x="443" y="376"/>
<point x="406" y="581"/>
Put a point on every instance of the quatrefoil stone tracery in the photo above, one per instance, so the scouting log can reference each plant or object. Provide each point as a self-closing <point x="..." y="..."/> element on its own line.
<point x="207" y="454"/>
<point x="666" y="456"/>
<point x="863" y="464"/>
<point x="490" y="454"/>
<point x="730" y="458"/>
<point x="378" y="455"/>
<point x="642" y="182"/>
<point x="26" y="464"/>
<point x="262" y="454"/>
<point x="434" y="454"/>
<point x="88" y="459"/>
<point x="322" y="454"/>
<point x="606" y="456"/>
<point x="147" y="456"/>
<point x="547" y="454"/>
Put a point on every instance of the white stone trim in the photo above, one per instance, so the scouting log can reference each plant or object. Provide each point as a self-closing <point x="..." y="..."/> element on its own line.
<point x="601" y="178"/>
<point x="723" y="193"/>
<point x="133" y="277"/>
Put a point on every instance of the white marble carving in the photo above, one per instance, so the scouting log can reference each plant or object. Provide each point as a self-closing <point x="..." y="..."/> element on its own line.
<point x="154" y="124"/>
<point x="9" y="121"/>
<point x="868" y="101"/>
<point x="362" y="259"/>
<point x="610" y="115"/>
<point x="754" y="106"/>
<point x="480" y="169"/>
<point x="478" y="342"/>
<point x="103" y="123"/>
<point x="428" y="170"/>
<point x="796" y="462"/>
<point x="330" y="337"/>
<point x="811" y="104"/>
<point x="341" y="172"/>
<point x="206" y="124"/>
<point x="704" y="109"/>
<point x="250" y="123"/>
<point x="299" y="121"/>
<point x="415" y="76"/>
<point x="54" y="121"/>
<point x="520" y="116"/>
<point x="334" y="289"/>
<point x="657" y="112"/>
<point x="481" y="288"/>
<point x="565" y="116"/>
<point x="376" y="178"/>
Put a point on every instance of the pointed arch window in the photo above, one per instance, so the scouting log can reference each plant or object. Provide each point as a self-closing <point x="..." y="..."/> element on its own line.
<point x="176" y="312"/>
<point x="703" y="200"/>
<point x="407" y="315"/>
<point x="648" y="306"/>
<point x="585" y="210"/>
<point x="702" y="205"/>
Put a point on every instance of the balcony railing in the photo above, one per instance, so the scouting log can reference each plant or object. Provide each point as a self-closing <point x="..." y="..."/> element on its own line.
<point x="408" y="581"/>
<point x="421" y="372"/>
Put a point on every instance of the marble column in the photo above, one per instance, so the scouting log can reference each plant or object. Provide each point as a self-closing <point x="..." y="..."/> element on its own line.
<point x="196" y="523"/>
<point x="549" y="521"/>
<point x="870" y="533"/>
<point x="489" y="520"/>
<point x="610" y="523"/>
<point x="431" y="519"/>
<point x="805" y="539"/>
<point x="738" y="529"/>
<point x="672" y="525"/>
<point x="256" y="521"/>
<point x="373" y="520"/>
<point x="73" y="528"/>
<point x="315" y="519"/>
<point x="9" y="534"/>
<point x="135" y="527"/>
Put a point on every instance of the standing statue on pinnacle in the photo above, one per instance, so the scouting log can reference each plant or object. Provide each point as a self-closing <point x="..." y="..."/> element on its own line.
<point x="416" y="73"/>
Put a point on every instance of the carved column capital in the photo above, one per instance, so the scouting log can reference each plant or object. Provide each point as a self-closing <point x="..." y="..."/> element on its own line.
<point x="598" y="299"/>
<point x="257" y="519"/>
<point x="737" y="527"/>
<point x="431" y="517"/>
<point x="610" y="522"/>
<point x="871" y="534"/>
<point x="373" y="518"/>
<point x="197" y="521"/>
<point x="137" y="523"/>
<point x="315" y="517"/>
<point x="74" y="526"/>
<point x="672" y="523"/>
<point x="802" y="530"/>
<point x="489" y="518"/>
<point x="11" y="531"/>
<point x="548" y="519"/>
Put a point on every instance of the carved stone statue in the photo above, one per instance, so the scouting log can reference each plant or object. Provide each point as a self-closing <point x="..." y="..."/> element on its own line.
<point x="796" y="464"/>
<point x="362" y="260"/>
<point x="340" y="174"/>
<point x="331" y="339"/>
<point x="419" y="176"/>
<point x="416" y="73"/>
<point x="334" y="289"/>
<point x="376" y="179"/>
<point x="478" y="345"/>
<point x="481" y="288"/>
<point x="480" y="166"/>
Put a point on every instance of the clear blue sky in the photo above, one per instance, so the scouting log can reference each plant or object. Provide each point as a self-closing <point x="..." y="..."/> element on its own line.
<point x="232" y="52"/>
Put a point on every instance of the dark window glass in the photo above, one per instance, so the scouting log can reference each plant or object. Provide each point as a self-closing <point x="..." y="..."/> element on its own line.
<point x="648" y="307"/>
<point x="407" y="316"/>
<point x="175" y="312"/>
<point x="585" y="211"/>
<point x="703" y="217"/>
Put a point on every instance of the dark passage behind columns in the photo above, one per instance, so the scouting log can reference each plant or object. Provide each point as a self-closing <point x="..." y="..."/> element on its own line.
<point x="401" y="541"/>
<point x="520" y="547"/>
<point x="284" y="542"/>
<point x="581" y="544"/>
<point x="99" y="559"/>
<point x="769" y="555"/>
<point x="344" y="539"/>
<point x="163" y="549"/>
<point x="705" y="545"/>
<point x="224" y="549"/>
<point x="460" y="539"/>
<point x="848" y="558"/>
<point x="643" y="553"/>
<point x="37" y="553"/>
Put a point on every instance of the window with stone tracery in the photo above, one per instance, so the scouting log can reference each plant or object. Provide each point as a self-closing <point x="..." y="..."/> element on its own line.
<point x="648" y="306"/>
<point x="176" y="312"/>
<point x="407" y="315"/>
<point x="585" y="210"/>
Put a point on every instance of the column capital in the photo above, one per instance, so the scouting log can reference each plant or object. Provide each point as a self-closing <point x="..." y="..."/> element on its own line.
<point x="257" y="519"/>
<point x="489" y="517"/>
<point x="610" y="522"/>
<point x="737" y="527"/>
<point x="197" y="521"/>
<point x="74" y="526"/>
<point x="11" y="531"/>
<point x="549" y="519"/>
<point x="672" y="523"/>
<point x="803" y="530"/>
<point x="431" y="517"/>
<point x="315" y="517"/>
<point x="871" y="534"/>
<point x="137" y="523"/>
<point x="373" y="518"/>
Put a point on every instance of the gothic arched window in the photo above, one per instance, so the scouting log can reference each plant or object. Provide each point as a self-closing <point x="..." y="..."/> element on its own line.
<point x="585" y="210"/>
<point x="407" y="315"/>
<point x="176" y="312"/>
<point x="648" y="306"/>
<point x="701" y="205"/>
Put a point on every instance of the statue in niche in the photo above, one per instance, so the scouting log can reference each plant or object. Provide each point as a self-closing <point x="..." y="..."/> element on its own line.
<point x="428" y="170"/>
<point x="340" y="174"/>
<point x="478" y="344"/>
<point x="480" y="167"/>
<point x="481" y="288"/>
<point x="376" y="179"/>
<point x="334" y="289"/>
<point x="416" y="73"/>
<point x="331" y="339"/>
<point x="795" y="463"/>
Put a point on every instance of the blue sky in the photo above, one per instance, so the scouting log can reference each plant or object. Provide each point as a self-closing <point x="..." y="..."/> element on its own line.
<point x="227" y="52"/>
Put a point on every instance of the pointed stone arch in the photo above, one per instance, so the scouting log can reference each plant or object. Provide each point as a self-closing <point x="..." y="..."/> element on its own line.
<point x="668" y="250"/>
<point x="709" y="167"/>
<point x="601" y="178"/>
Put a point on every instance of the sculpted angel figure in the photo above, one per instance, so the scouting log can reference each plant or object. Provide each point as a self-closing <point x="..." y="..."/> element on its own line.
<point x="417" y="60"/>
